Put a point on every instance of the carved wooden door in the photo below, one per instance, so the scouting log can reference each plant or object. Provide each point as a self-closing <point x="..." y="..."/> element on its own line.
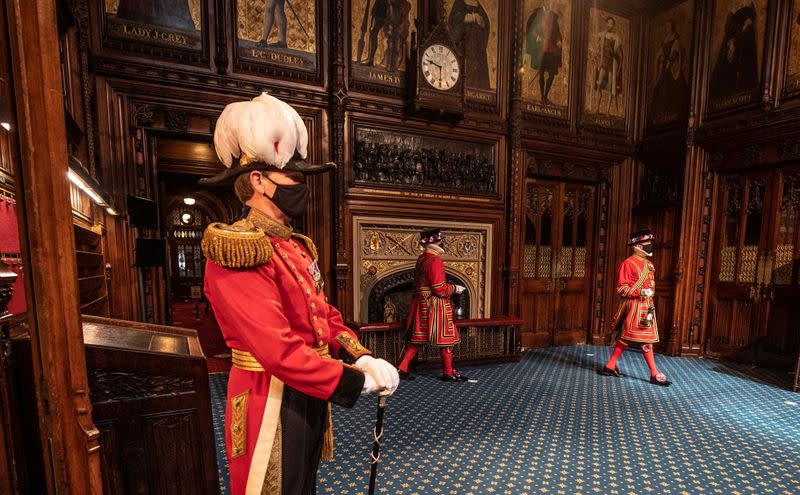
<point x="744" y="262"/>
<point x="559" y="240"/>
<point x="780" y="338"/>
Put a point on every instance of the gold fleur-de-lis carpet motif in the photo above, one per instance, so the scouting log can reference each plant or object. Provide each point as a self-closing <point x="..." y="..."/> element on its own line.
<point x="551" y="425"/>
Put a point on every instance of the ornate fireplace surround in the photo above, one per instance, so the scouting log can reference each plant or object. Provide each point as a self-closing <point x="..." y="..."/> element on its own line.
<point x="385" y="253"/>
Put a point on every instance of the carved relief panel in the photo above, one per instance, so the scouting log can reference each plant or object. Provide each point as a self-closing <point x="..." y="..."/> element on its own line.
<point x="608" y="69"/>
<point x="545" y="64"/>
<point x="424" y="162"/>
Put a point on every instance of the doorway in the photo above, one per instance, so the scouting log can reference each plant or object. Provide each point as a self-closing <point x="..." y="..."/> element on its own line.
<point x="557" y="268"/>
<point x="754" y="310"/>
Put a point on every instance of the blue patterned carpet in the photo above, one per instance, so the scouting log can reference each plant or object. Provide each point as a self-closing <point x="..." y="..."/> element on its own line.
<point x="551" y="425"/>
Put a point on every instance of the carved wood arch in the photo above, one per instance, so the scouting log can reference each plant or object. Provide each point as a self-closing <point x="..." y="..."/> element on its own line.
<point x="138" y="119"/>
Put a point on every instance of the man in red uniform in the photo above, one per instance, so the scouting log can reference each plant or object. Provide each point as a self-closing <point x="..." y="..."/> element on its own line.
<point x="265" y="286"/>
<point x="635" y="321"/>
<point x="431" y="318"/>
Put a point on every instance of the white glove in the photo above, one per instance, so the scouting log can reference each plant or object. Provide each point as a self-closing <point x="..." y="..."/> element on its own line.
<point x="380" y="376"/>
<point x="370" y="385"/>
<point x="460" y="289"/>
<point x="648" y="292"/>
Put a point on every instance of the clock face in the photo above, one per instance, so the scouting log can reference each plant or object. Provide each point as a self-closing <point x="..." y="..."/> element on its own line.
<point x="440" y="67"/>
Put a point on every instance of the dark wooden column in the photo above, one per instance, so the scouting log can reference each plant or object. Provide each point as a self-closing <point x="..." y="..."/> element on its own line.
<point x="516" y="179"/>
<point x="338" y="109"/>
<point x="691" y="267"/>
<point x="70" y="442"/>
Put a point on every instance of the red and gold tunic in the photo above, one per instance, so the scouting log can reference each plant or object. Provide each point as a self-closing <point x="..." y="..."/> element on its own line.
<point x="265" y="287"/>
<point x="632" y="323"/>
<point x="431" y="315"/>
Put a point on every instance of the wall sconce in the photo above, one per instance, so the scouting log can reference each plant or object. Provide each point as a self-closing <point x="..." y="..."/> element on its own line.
<point x="189" y="201"/>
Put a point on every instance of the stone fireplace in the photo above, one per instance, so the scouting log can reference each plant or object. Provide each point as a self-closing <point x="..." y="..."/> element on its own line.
<point x="385" y="254"/>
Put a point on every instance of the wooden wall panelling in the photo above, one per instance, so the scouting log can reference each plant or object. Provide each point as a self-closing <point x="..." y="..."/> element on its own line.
<point x="336" y="132"/>
<point x="622" y="184"/>
<point x="659" y="198"/>
<point x="136" y="116"/>
<point x="69" y="439"/>
<point x="772" y="56"/>
<point x="561" y="164"/>
<point x="696" y="231"/>
<point x="91" y="271"/>
<point x="150" y="393"/>
<point x="115" y="166"/>
<point x="516" y="170"/>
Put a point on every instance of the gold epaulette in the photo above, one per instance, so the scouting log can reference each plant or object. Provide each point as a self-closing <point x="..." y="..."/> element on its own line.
<point x="241" y="245"/>
<point x="308" y="243"/>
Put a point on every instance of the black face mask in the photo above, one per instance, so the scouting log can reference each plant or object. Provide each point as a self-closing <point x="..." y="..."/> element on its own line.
<point x="291" y="200"/>
<point x="648" y="248"/>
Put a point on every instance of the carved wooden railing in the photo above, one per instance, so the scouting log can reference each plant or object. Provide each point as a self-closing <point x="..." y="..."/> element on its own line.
<point x="487" y="340"/>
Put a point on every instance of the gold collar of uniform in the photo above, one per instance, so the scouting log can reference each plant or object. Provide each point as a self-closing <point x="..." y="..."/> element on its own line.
<point x="269" y="225"/>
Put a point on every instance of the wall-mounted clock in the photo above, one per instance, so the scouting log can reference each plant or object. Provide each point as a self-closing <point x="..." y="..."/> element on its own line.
<point x="436" y="85"/>
<point x="440" y="67"/>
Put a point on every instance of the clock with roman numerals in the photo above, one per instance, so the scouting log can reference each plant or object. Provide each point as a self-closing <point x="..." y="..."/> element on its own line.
<point x="436" y="85"/>
<point x="440" y="67"/>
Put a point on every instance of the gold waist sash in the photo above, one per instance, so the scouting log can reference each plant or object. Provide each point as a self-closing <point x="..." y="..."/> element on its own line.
<point x="246" y="361"/>
<point x="425" y="292"/>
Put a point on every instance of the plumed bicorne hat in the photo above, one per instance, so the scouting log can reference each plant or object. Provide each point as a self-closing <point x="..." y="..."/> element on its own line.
<point x="640" y="236"/>
<point x="262" y="134"/>
<point x="431" y="236"/>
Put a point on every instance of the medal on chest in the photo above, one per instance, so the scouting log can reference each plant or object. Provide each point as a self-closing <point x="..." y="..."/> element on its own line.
<point x="316" y="275"/>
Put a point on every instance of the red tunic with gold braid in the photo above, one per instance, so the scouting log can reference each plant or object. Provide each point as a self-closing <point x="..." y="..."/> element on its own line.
<point x="431" y="317"/>
<point x="265" y="286"/>
<point x="635" y="320"/>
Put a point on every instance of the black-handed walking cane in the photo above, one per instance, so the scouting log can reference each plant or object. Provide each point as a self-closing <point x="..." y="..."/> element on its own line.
<point x="376" y="446"/>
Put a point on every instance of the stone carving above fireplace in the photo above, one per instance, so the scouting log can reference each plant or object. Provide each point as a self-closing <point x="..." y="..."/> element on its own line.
<point x="386" y="252"/>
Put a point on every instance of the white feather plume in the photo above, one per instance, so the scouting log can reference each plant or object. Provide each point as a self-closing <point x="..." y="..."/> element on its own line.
<point x="226" y="134"/>
<point x="264" y="129"/>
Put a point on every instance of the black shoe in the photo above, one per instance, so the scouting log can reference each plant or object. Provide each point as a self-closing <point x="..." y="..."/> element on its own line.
<point x="455" y="377"/>
<point x="405" y="375"/>
<point x="609" y="372"/>
<point x="663" y="383"/>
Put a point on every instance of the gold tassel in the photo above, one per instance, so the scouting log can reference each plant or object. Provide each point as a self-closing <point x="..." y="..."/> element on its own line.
<point x="327" y="437"/>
